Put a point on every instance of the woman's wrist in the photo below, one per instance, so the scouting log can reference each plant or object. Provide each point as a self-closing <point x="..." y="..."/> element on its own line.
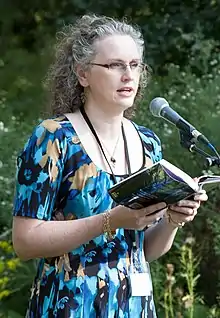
<point x="115" y="218"/>
<point x="108" y="231"/>
<point x="111" y="222"/>
<point x="171" y="222"/>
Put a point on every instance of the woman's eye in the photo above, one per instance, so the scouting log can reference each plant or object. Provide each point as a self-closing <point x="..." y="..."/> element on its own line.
<point x="134" y="65"/>
<point x="116" y="65"/>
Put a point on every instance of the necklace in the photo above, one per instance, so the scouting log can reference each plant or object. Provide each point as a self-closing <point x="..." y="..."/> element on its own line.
<point x="112" y="157"/>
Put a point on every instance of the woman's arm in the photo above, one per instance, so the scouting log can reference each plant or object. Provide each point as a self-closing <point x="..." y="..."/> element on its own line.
<point x="33" y="238"/>
<point x="159" y="238"/>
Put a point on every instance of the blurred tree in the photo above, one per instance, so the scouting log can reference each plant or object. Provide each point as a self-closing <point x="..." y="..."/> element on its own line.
<point x="170" y="27"/>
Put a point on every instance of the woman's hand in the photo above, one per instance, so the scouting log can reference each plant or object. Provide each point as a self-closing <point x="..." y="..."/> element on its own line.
<point x="123" y="217"/>
<point x="185" y="210"/>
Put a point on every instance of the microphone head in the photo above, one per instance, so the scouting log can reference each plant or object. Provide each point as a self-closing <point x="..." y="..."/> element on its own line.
<point x="156" y="106"/>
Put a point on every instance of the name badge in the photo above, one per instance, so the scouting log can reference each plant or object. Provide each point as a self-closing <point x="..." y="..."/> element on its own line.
<point x="141" y="284"/>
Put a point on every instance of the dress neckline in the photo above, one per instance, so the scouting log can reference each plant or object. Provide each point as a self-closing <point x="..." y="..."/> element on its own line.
<point x="103" y="170"/>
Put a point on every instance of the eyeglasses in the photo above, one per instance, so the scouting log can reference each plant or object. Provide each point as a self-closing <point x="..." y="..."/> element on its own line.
<point x="122" y="67"/>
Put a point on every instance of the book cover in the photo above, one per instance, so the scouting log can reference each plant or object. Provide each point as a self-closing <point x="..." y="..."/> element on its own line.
<point x="162" y="182"/>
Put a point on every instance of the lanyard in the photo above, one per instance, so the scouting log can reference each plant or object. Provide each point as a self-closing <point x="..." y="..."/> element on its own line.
<point x="86" y="118"/>
<point x="82" y="110"/>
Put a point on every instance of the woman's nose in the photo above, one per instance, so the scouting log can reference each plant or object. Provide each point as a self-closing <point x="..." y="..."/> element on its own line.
<point x="127" y="74"/>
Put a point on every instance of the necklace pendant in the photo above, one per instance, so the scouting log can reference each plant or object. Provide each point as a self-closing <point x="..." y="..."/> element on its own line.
<point x="113" y="161"/>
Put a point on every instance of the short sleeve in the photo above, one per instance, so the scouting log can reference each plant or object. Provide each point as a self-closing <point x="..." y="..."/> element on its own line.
<point x="39" y="171"/>
<point x="151" y="142"/>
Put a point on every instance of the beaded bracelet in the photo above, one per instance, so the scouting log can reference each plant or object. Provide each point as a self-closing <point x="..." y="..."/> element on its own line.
<point x="106" y="226"/>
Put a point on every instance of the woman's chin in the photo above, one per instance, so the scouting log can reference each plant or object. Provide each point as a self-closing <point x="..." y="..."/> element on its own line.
<point x="125" y="106"/>
<point x="126" y="103"/>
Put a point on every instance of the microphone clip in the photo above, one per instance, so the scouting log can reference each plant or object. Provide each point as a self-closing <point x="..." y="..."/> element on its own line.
<point x="212" y="161"/>
<point x="187" y="142"/>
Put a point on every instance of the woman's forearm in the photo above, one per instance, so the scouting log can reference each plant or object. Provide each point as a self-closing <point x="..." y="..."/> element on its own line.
<point x="159" y="239"/>
<point x="33" y="238"/>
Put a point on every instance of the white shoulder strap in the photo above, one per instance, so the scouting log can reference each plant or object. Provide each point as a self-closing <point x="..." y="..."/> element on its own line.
<point x="70" y="117"/>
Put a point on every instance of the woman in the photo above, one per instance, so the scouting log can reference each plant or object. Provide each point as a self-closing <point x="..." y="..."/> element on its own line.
<point x="93" y="255"/>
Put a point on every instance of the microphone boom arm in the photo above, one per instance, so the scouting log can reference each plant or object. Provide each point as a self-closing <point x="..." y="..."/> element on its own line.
<point x="187" y="142"/>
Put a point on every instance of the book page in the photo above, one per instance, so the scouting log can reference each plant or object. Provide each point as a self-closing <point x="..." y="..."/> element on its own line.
<point x="208" y="179"/>
<point x="179" y="175"/>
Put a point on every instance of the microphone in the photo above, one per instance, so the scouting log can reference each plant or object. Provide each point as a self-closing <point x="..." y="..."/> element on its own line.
<point x="159" y="107"/>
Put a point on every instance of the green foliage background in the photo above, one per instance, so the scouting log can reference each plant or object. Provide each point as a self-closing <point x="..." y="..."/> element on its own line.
<point x="182" y="47"/>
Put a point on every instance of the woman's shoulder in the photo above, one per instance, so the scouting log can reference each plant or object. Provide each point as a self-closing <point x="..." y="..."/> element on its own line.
<point x="147" y="133"/>
<point x="57" y="127"/>
<point x="51" y="132"/>
<point x="54" y="124"/>
<point x="150" y="141"/>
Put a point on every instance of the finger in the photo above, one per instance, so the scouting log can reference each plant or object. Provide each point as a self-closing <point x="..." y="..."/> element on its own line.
<point x="153" y="208"/>
<point x="182" y="210"/>
<point x="187" y="203"/>
<point x="152" y="218"/>
<point x="179" y="217"/>
<point x="201" y="197"/>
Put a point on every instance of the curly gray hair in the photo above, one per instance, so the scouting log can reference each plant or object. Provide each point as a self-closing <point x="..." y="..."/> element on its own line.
<point x="75" y="46"/>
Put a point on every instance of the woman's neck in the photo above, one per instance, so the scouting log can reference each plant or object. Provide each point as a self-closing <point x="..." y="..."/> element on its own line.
<point x="106" y="124"/>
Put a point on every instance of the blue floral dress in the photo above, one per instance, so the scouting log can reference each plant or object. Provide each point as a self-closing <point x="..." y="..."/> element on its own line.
<point x="56" y="180"/>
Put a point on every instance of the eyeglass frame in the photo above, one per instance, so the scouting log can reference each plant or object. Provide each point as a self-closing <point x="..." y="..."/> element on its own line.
<point x="108" y="65"/>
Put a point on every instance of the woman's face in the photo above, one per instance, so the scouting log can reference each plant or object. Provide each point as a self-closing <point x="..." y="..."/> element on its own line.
<point x="114" y="83"/>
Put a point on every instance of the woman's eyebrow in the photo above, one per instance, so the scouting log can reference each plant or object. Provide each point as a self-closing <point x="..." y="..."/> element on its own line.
<point x="120" y="60"/>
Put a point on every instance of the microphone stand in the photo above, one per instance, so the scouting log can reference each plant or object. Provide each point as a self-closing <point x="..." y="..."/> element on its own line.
<point x="187" y="142"/>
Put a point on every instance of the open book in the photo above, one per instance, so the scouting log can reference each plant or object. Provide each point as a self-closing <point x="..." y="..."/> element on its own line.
<point x="161" y="182"/>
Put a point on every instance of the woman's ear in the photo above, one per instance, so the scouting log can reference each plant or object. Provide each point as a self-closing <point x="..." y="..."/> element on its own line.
<point x="82" y="76"/>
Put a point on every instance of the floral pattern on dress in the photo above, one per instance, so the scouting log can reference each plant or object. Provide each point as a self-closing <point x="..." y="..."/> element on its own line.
<point x="56" y="180"/>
